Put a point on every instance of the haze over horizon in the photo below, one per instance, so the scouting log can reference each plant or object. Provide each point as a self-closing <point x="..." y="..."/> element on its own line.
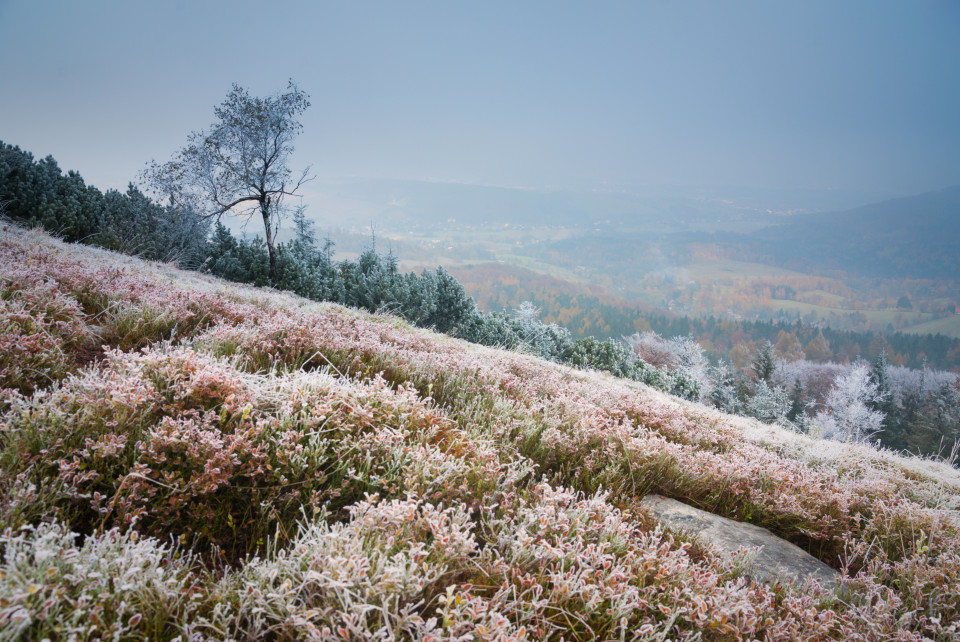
<point x="853" y="99"/>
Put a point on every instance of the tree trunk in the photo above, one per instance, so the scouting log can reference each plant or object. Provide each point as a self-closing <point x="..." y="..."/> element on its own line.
<point x="268" y="233"/>
<point x="273" y="264"/>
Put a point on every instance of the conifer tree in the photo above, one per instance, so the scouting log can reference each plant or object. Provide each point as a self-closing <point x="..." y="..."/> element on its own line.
<point x="764" y="363"/>
<point x="724" y="392"/>
<point x="885" y="401"/>
<point x="797" y="403"/>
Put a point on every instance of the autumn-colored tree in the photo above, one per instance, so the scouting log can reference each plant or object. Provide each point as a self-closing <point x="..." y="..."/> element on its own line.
<point x="818" y="349"/>
<point x="788" y="346"/>
<point x="740" y="355"/>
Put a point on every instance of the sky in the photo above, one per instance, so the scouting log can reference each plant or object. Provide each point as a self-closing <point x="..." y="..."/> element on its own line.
<point x="854" y="96"/>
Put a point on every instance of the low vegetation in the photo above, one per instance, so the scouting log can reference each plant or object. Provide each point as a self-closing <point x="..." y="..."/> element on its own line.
<point x="181" y="457"/>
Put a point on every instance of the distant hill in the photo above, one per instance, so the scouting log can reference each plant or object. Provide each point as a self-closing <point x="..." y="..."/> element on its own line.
<point x="911" y="237"/>
<point x="424" y="206"/>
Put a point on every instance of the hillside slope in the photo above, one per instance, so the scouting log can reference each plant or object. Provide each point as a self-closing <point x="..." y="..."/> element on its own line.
<point x="246" y="464"/>
<point x="912" y="237"/>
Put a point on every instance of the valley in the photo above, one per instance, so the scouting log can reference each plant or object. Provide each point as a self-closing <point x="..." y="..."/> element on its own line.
<point x="684" y="265"/>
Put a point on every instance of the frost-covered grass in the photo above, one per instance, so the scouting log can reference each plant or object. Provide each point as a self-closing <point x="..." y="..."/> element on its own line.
<point x="180" y="457"/>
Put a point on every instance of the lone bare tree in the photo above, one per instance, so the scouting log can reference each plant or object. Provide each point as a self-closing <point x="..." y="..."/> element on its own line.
<point x="239" y="165"/>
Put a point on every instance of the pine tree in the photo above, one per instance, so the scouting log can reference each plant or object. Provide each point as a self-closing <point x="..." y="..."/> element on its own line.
<point x="764" y="363"/>
<point x="724" y="392"/>
<point x="769" y="404"/>
<point x="797" y="402"/>
<point x="886" y="401"/>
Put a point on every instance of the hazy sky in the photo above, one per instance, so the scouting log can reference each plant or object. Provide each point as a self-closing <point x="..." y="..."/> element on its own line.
<point x="833" y="95"/>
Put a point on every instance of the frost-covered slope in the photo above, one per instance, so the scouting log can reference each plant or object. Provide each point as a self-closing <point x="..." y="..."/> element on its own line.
<point x="246" y="464"/>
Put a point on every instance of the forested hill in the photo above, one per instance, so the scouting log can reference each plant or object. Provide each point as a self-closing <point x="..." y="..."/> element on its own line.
<point x="912" y="237"/>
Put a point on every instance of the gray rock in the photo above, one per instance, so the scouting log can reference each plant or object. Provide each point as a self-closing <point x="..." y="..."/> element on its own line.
<point x="777" y="558"/>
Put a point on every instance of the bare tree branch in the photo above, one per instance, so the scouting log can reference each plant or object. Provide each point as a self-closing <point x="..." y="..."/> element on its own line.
<point x="241" y="158"/>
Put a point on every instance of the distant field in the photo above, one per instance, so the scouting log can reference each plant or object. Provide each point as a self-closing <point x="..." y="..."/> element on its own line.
<point x="836" y="299"/>
<point x="911" y="320"/>
<point x="949" y="326"/>
<point x="715" y="270"/>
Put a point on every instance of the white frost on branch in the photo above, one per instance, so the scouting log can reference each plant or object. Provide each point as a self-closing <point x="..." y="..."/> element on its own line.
<point x="848" y="415"/>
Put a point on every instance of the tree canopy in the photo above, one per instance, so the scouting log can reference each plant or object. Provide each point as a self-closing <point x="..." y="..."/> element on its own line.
<point x="240" y="164"/>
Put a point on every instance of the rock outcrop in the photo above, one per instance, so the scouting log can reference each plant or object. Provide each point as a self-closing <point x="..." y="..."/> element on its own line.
<point x="777" y="558"/>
